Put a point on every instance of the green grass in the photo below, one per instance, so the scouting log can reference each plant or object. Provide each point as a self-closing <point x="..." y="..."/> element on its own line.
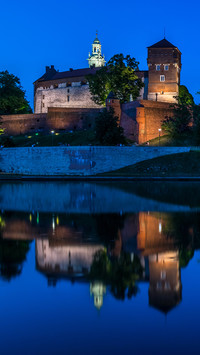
<point x="42" y="140"/>
<point x="167" y="141"/>
<point x="176" y="165"/>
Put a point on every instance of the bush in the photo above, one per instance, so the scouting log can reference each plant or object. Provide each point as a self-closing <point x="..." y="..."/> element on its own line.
<point x="7" y="142"/>
<point x="108" y="131"/>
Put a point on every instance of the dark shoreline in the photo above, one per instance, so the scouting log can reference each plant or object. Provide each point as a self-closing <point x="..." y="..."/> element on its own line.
<point x="9" y="177"/>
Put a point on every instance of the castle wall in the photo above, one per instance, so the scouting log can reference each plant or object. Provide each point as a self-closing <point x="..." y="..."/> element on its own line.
<point x="75" y="96"/>
<point x="149" y="117"/>
<point x="55" y="119"/>
<point x="22" y="124"/>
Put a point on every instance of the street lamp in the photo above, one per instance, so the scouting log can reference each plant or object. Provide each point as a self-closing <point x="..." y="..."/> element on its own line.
<point x="159" y="130"/>
<point x="52" y="132"/>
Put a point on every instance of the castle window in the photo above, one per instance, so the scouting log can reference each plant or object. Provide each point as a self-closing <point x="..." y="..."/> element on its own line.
<point x="43" y="97"/>
<point x="43" y="105"/>
<point x="166" y="67"/>
<point x="95" y="49"/>
<point x="163" y="275"/>
<point x="67" y="90"/>
<point x="68" y="98"/>
<point x="69" y="84"/>
<point x="157" y="67"/>
<point x="162" y="77"/>
<point x="55" y="86"/>
<point x="83" y="82"/>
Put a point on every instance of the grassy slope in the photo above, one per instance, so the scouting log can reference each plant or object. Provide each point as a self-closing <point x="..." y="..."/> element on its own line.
<point x="183" y="164"/>
<point x="41" y="140"/>
<point x="167" y="141"/>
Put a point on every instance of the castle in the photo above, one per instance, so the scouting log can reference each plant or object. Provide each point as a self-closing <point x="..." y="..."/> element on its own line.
<point x="70" y="89"/>
<point x="62" y="100"/>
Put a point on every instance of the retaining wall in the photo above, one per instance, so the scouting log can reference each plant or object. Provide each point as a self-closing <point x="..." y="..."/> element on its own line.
<point x="81" y="161"/>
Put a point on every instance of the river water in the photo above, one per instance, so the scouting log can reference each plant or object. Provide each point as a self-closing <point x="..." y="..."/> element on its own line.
<point x="99" y="268"/>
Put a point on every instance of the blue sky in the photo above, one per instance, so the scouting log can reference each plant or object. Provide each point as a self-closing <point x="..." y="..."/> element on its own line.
<point x="39" y="33"/>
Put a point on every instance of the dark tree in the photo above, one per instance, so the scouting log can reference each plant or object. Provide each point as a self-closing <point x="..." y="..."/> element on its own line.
<point x="12" y="96"/>
<point x="108" y="131"/>
<point x="121" y="273"/>
<point x="12" y="255"/>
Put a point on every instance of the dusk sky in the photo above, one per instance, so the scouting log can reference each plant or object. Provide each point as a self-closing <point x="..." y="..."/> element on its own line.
<point x="39" y="33"/>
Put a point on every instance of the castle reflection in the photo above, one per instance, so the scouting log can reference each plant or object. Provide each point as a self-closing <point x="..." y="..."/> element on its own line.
<point x="112" y="252"/>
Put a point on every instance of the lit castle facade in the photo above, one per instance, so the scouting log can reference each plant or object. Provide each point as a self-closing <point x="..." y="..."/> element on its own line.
<point x="70" y="89"/>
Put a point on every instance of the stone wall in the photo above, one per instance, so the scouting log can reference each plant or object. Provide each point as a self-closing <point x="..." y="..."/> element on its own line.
<point x="139" y="119"/>
<point x="56" y="119"/>
<point x="22" y="124"/>
<point x="79" y="161"/>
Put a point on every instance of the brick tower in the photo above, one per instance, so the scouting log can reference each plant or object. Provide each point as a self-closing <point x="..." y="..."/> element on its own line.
<point x="164" y="62"/>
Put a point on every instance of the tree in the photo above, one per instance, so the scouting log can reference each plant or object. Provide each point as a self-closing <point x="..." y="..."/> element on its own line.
<point x="108" y="132"/>
<point x="117" y="76"/>
<point x="178" y="123"/>
<point x="184" y="97"/>
<point x="12" y="96"/>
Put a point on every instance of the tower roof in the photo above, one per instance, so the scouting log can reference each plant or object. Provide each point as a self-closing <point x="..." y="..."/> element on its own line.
<point x="96" y="40"/>
<point x="164" y="43"/>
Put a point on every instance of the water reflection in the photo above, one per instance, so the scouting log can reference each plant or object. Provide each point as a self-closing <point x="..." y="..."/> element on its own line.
<point x="112" y="253"/>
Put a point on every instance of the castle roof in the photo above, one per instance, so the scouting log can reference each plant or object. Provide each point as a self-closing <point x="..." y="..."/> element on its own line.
<point x="52" y="74"/>
<point x="164" y="43"/>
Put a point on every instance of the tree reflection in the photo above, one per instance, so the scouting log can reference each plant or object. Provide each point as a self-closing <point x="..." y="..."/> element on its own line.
<point x="12" y="255"/>
<point x="119" y="273"/>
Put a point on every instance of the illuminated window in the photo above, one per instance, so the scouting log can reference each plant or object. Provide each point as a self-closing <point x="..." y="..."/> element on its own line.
<point x="166" y="67"/>
<point x="162" y="78"/>
<point x="159" y="285"/>
<point x="158" y="67"/>
<point x="163" y="275"/>
<point x="167" y="286"/>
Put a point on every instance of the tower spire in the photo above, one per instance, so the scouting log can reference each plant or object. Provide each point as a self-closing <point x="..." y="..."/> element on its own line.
<point x="96" y="59"/>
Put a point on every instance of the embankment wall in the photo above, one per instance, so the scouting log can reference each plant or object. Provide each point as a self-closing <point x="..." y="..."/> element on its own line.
<point x="79" y="161"/>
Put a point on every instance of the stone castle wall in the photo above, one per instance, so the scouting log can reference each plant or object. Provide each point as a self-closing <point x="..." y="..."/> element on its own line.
<point x="74" y="96"/>
<point x="56" y="119"/>
<point x="22" y="124"/>
<point x="149" y="117"/>
<point x="139" y="119"/>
